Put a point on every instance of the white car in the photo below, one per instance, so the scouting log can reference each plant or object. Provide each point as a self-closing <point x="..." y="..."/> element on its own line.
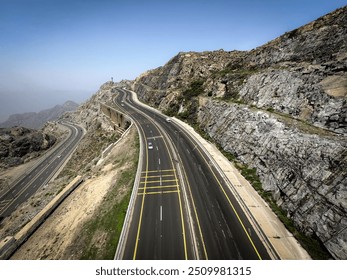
<point x="168" y="119"/>
<point x="150" y="146"/>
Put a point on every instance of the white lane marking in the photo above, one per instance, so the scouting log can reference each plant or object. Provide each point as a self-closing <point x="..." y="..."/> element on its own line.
<point x="161" y="213"/>
<point x="26" y="194"/>
<point x="159" y="160"/>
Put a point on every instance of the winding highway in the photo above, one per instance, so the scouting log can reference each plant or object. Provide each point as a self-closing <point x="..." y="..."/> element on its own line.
<point x="183" y="208"/>
<point x="24" y="187"/>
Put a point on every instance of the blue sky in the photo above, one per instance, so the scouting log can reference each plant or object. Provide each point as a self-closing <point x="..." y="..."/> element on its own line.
<point x="55" y="50"/>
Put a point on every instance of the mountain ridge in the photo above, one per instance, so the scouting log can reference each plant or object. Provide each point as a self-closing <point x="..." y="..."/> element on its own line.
<point x="35" y="120"/>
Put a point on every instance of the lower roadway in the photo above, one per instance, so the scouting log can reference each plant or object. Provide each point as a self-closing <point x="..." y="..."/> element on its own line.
<point x="21" y="190"/>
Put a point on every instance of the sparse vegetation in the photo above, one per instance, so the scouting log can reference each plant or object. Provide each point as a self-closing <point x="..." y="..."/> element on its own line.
<point x="195" y="89"/>
<point x="189" y="114"/>
<point x="172" y="110"/>
<point x="100" y="234"/>
<point x="108" y="225"/>
<point x="233" y="97"/>
<point x="235" y="72"/>
<point x="85" y="156"/>
<point x="189" y="100"/>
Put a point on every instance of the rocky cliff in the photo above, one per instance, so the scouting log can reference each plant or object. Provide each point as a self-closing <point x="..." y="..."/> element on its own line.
<point x="89" y="115"/>
<point x="19" y="144"/>
<point x="37" y="120"/>
<point x="280" y="108"/>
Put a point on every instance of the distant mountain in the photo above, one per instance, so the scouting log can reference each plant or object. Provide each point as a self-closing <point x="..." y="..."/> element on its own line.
<point x="36" y="120"/>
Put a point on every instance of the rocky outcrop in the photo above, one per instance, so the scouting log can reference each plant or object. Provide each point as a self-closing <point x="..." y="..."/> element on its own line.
<point x="304" y="168"/>
<point x="19" y="144"/>
<point x="162" y="85"/>
<point x="280" y="108"/>
<point x="302" y="74"/>
<point x="37" y="120"/>
<point x="89" y="114"/>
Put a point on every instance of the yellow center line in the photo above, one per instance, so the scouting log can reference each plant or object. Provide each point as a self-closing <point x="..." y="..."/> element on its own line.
<point x="195" y="212"/>
<point x="181" y="209"/>
<point x="144" y="195"/>
<point x="230" y="203"/>
<point x="142" y="203"/>
<point x="179" y="198"/>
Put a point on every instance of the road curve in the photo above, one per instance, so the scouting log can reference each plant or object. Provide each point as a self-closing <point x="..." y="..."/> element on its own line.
<point x="23" y="188"/>
<point x="158" y="208"/>
<point x="215" y="225"/>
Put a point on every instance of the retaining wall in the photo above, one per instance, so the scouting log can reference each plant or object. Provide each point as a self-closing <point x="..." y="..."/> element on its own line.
<point x="11" y="243"/>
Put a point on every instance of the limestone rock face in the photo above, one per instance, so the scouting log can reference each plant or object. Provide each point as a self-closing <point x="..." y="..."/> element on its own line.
<point x="308" y="97"/>
<point x="280" y="108"/>
<point x="305" y="170"/>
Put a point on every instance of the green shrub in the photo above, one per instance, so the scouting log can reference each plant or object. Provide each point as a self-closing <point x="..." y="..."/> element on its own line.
<point x="196" y="88"/>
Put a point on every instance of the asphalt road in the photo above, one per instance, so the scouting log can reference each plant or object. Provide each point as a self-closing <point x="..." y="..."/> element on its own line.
<point x="158" y="228"/>
<point x="191" y="216"/>
<point x="39" y="175"/>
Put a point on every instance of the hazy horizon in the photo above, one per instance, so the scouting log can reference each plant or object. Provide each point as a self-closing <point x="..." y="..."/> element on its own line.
<point x="54" y="51"/>
<point x="37" y="102"/>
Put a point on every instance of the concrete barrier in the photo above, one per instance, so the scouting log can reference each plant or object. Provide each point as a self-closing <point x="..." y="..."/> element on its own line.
<point x="11" y="243"/>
